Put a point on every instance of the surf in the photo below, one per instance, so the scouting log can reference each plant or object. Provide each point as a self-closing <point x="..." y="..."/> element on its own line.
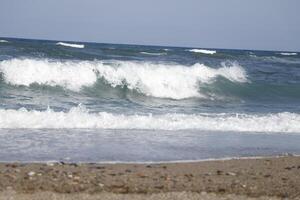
<point x="203" y="51"/>
<point x="160" y="80"/>
<point x="80" y="46"/>
<point x="80" y="117"/>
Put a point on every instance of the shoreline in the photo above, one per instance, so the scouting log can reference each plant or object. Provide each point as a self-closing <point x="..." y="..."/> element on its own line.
<point x="66" y="161"/>
<point x="250" y="177"/>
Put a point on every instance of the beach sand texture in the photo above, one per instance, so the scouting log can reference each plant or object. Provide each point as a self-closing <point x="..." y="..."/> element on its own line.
<point x="239" y="178"/>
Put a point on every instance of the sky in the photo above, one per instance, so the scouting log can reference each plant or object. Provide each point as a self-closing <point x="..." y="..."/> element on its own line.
<point x="231" y="24"/>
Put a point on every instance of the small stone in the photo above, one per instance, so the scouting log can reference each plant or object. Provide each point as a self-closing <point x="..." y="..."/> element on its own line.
<point x="50" y="164"/>
<point x="101" y="185"/>
<point x="76" y="178"/>
<point x="288" y="168"/>
<point x="9" y="188"/>
<point x="219" y="172"/>
<point x="141" y="175"/>
<point x="70" y="175"/>
<point x="231" y="174"/>
<point x="222" y="190"/>
<point x="32" y="173"/>
<point x="159" y="187"/>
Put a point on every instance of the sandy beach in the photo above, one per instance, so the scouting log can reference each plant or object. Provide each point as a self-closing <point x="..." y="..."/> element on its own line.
<point x="266" y="178"/>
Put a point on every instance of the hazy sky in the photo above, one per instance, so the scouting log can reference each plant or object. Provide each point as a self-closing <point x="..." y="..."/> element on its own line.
<point x="243" y="24"/>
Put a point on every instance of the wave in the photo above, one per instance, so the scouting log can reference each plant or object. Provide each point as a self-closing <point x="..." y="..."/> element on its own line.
<point x="157" y="80"/>
<point x="3" y="41"/>
<point x="288" y="54"/>
<point x="79" y="117"/>
<point x="204" y="51"/>
<point x="70" y="45"/>
<point x="153" y="54"/>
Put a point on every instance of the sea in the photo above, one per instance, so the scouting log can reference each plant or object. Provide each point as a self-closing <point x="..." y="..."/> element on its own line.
<point x="95" y="102"/>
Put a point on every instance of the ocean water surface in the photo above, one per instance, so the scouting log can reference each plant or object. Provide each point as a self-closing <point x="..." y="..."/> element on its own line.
<point x="95" y="102"/>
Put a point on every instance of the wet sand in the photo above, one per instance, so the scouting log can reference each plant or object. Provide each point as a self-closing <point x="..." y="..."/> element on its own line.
<point x="277" y="177"/>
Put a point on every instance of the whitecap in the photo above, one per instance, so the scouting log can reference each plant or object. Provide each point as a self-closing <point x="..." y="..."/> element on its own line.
<point x="288" y="54"/>
<point x="204" y="51"/>
<point x="80" y="117"/>
<point x="71" y="45"/>
<point x="157" y="80"/>
<point x="152" y="54"/>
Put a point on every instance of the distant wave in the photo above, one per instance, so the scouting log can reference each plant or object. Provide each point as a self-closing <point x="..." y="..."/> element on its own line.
<point x="70" y="45"/>
<point x="80" y="117"/>
<point x="152" y="54"/>
<point x="157" y="80"/>
<point x="204" y="51"/>
<point x="3" y="41"/>
<point x="288" y="54"/>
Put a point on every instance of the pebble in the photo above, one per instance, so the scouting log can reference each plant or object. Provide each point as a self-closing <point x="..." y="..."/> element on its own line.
<point x="219" y="172"/>
<point x="231" y="173"/>
<point x="101" y="184"/>
<point x="32" y="173"/>
<point x="50" y="164"/>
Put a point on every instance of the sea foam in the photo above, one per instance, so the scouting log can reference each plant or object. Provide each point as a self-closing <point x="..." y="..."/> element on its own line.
<point x="288" y="54"/>
<point x="3" y="41"/>
<point x="204" y="51"/>
<point x="153" y="54"/>
<point x="157" y="80"/>
<point x="71" y="45"/>
<point x="79" y="117"/>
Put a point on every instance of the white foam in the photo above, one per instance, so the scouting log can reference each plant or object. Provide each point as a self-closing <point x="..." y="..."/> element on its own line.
<point x="65" y="74"/>
<point x="79" y="117"/>
<point x="70" y="45"/>
<point x="288" y="54"/>
<point x="3" y="41"/>
<point x="152" y="54"/>
<point x="204" y="51"/>
<point x="157" y="80"/>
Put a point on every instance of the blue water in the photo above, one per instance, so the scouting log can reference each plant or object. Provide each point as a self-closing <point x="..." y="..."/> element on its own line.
<point x="50" y="90"/>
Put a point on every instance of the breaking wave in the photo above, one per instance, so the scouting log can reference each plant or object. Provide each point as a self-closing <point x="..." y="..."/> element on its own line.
<point x="204" y="51"/>
<point x="70" y="45"/>
<point x="79" y="117"/>
<point x="157" y="80"/>
<point x="152" y="54"/>
<point x="288" y="54"/>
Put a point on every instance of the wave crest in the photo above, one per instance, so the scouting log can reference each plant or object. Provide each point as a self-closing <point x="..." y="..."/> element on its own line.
<point x="204" y="51"/>
<point x="288" y="54"/>
<point x="157" y="80"/>
<point x="79" y="117"/>
<point x="70" y="45"/>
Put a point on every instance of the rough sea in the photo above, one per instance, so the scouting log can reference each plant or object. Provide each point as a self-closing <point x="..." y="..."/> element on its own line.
<point x="93" y="102"/>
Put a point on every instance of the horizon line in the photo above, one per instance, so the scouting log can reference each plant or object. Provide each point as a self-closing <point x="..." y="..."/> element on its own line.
<point x="153" y="45"/>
